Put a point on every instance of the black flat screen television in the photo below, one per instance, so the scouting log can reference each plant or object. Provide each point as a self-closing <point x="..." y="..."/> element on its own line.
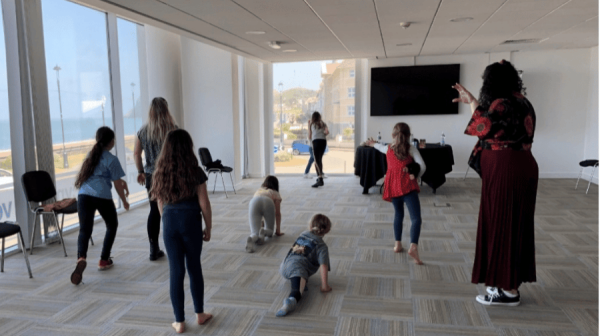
<point x="414" y="90"/>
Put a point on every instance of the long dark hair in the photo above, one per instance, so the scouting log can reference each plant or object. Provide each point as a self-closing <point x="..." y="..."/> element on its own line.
<point x="160" y="121"/>
<point x="271" y="182"/>
<point x="177" y="171"/>
<point x="104" y="136"/>
<point x="500" y="80"/>
<point x="401" y="144"/>
<point x="316" y="120"/>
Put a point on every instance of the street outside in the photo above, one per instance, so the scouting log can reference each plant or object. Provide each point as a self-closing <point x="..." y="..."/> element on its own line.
<point x="336" y="161"/>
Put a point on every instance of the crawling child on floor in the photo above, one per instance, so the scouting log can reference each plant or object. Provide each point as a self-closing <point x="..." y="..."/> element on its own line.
<point x="308" y="254"/>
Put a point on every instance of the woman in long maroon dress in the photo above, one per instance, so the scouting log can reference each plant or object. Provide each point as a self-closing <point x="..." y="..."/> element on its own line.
<point x="504" y="121"/>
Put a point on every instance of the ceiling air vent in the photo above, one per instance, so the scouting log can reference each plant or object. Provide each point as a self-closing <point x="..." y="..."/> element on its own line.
<point x="523" y="41"/>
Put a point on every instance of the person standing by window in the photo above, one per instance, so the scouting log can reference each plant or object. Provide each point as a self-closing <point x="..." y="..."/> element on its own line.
<point x="504" y="121"/>
<point x="150" y="139"/>
<point x="99" y="169"/>
<point x="318" y="133"/>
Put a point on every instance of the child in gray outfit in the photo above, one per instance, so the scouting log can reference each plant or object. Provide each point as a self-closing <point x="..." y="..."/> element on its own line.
<point x="308" y="254"/>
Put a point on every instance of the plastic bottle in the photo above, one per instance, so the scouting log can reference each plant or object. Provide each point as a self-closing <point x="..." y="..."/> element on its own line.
<point x="379" y="137"/>
<point x="443" y="142"/>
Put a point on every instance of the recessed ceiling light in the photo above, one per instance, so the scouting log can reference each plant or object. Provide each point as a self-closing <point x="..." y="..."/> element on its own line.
<point x="255" y="32"/>
<point x="290" y="50"/>
<point x="403" y="44"/>
<point x="274" y="45"/>
<point x="404" y="24"/>
<point x="462" y="19"/>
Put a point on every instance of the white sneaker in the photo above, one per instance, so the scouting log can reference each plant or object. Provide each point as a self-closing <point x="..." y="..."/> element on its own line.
<point x="306" y="176"/>
<point x="250" y="247"/>
<point x="492" y="290"/>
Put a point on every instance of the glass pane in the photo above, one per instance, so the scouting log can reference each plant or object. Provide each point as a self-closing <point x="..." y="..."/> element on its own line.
<point x="301" y="88"/>
<point x="132" y="106"/>
<point x="7" y="194"/>
<point x="78" y="87"/>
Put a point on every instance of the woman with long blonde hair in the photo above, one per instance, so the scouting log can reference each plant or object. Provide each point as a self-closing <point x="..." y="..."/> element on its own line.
<point x="150" y="139"/>
<point x="404" y="164"/>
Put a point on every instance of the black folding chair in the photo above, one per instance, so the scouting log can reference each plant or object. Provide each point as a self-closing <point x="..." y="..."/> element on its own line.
<point x="211" y="166"/>
<point x="8" y="229"/>
<point x="38" y="187"/>
<point x="584" y="164"/>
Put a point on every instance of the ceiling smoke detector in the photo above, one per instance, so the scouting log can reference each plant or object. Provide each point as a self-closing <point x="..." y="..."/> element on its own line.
<point x="461" y="19"/>
<point x="274" y="45"/>
<point x="404" y="24"/>
<point x="524" y="41"/>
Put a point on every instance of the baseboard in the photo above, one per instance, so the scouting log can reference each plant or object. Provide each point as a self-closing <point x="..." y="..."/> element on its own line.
<point x="473" y="174"/>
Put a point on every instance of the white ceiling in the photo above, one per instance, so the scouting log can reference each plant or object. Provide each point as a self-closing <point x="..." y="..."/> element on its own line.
<point x="339" y="29"/>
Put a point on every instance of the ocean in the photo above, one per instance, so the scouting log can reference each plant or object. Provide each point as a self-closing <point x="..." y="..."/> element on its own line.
<point x="75" y="129"/>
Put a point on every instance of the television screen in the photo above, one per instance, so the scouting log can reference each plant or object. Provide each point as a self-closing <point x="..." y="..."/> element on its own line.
<point x="414" y="90"/>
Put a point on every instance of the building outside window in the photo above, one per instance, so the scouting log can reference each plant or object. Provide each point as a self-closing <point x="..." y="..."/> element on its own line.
<point x="351" y="92"/>
<point x="351" y="73"/>
<point x="350" y="110"/>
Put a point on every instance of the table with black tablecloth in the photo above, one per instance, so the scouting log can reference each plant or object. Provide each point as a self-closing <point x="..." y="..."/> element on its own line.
<point x="371" y="165"/>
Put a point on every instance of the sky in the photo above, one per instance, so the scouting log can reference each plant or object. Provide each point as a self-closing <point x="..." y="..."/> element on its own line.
<point x="75" y="39"/>
<point x="299" y="74"/>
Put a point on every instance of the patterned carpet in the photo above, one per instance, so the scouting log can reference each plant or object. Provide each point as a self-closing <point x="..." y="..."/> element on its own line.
<point x="375" y="291"/>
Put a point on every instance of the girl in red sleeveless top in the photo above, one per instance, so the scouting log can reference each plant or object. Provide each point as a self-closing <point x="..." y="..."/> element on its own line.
<point x="404" y="165"/>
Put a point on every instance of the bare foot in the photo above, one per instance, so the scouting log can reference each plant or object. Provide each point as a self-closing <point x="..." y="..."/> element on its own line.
<point x="203" y="318"/>
<point x="398" y="247"/>
<point x="414" y="253"/>
<point x="179" y="327"/>
<point x="279" y="234"/>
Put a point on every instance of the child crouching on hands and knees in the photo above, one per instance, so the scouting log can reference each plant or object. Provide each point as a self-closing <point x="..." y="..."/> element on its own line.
<point x="308" y="254"/>
<point x="266" y="204"/>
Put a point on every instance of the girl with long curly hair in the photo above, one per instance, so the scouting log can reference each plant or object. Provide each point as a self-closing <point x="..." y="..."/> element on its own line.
<point x="150" y="139"/>
<point x="404" y="163"/>
<point x="179" y="188"/>
<point x="504" y="122"/>
<point x="99" y="171"/>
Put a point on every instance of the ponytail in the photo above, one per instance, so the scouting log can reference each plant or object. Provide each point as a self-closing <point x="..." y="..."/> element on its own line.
<point x="104" y="136"/>
<point x="401" y="145"/>
<point x="319" y="224"/>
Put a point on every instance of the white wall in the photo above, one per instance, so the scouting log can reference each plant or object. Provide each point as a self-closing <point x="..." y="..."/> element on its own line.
<point x="558" y="85"/>
<point x="163" y="53"/>
<point x="256" y="113"/>
<point x="207" y="91"/>
<point x="591" y="125"/>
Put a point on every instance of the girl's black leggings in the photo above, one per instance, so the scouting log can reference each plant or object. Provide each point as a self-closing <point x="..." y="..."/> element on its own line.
<point x="319" y="146"/>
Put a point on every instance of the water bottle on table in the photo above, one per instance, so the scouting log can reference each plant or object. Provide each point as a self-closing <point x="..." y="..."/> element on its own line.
<point x="443" y="142"/>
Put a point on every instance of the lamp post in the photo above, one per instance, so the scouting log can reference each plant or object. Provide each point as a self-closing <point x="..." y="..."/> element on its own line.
<point x="133" y="103"/>
<point x="280" y="115"/>
<point x="103" y="102"/>
<point x="62" y="126"/>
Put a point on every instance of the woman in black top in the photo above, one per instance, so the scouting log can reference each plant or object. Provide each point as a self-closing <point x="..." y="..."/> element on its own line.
<point x="150" y="139"/>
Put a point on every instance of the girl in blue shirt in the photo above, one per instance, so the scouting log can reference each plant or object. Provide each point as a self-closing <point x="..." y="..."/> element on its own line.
<point x="99" y="169"/>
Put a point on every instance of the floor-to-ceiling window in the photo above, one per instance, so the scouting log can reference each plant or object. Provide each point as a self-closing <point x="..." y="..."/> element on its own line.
<point x="7" y="195"/>
<point x="301" y="88"/>
<point x="133" y="106"/>
<point x="79" y="90"/>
